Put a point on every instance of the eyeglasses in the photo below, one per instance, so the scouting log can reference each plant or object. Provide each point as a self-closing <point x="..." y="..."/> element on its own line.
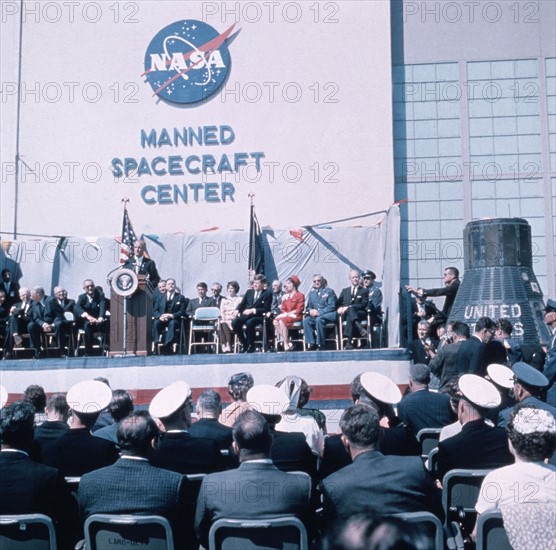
<point x="215" y="289"/>
<point x="317" y="280"/>
<point x="89" y="286"/>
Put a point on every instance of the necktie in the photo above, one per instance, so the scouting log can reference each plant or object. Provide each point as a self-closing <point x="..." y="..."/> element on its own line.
<point x="353" y="293"/>
<point x="256" y="296"/>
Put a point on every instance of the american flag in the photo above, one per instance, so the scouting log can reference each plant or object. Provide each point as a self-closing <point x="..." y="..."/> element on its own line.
<point x="128" y="238"/>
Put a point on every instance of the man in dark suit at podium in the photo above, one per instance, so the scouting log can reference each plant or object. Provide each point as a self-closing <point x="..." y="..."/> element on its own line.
<point x="251" y="310"/>
<point x="168" y="312"/>
<point x="141" y="264"/>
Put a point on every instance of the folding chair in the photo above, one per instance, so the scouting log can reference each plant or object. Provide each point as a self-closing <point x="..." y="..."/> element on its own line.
<point x="491" y="534"/>
<point x="361" y="339"/>
<point x="430" y="524"/>
<point x="460" y="489"/>
<point x="428" y="439"/>
<point x="332" y="328"/>
<point x="206" y="320"/>
<point x="27" y="532"/>
<point x="295" y="335"/>
<point x="122" y="531"/>
<point x="22" y="348"/>
<point x="431" y="464"/>
<point x="283" y="533"/>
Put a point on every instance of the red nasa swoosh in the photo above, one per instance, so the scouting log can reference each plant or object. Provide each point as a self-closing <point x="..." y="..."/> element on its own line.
<point x="213" y="44"/>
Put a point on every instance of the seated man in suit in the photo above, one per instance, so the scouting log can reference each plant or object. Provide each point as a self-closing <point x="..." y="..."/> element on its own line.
<point x="78" y="451"/>
<point x="20" y="317"/>
<point x="141" y="264"/>
<point x="134" y="486"/>
<point x="26" y="486"/>
<point x="320" y="310"/>
<point x="177" y="450"/>
<point x="277" y="493"/>
<point x="4" y="315"/>
<point x="251" y="312"/>
<point x="43" y="316"/>
<point x="62" y="305"/>
<point x="352" y="308"/>
<point x="209" y="407"/>
<point x="56" y="423"/>
<point x="387" y="484"/>
<point x="90" y="312"/>
<point x="423" y="408"/>
<point x="478" y="445"/>
<point x="201" y="301"/>
<point x="168" y="312"/>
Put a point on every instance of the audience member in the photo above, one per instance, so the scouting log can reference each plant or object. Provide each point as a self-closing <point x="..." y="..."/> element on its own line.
<point x="78" y="451"/>
<point x="238" y="386"/>
<point x="291" y="310"/>
<point x="320" y="310"/>
<point x="168" y="311"/>
<point x="444" y="364"/>
<point x="26" y="486"/>
<point x="35" y="395"/>
<point x="300" y="396"/>
<point x="386" y="484"/>
<point x="121" y="406"/>
<point x="525" y="492"/>
<point x="503" y="379"/>
<point x="528" y="387"/>
<point x="134" y="486"/>
<point x="278" y="494"/>
<point x="228" y="307"/>
<point x="290" y="451"/>
<point x="56" y="423"/>
<point x="478" y="445"/>
<point x="251" y="313"/>
<point x="473" y="356"/>
<point x="352" y="308"/>
<point x="209" y="408"/>
<point x="504" y="329"/>
<point x="549" y="366"/>
<point x="293" y="421"/>
<point x="177" y="450"/>
<point x="422" y="408"/>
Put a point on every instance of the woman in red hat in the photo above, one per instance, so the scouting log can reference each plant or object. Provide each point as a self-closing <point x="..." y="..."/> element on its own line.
<point x="291" y="310"/>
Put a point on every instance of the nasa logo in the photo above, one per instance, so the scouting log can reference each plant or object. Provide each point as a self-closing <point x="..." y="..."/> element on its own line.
<point x="187" y="61"/>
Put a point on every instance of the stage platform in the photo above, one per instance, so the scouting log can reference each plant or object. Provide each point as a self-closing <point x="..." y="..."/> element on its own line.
<point x="328" y="372"/>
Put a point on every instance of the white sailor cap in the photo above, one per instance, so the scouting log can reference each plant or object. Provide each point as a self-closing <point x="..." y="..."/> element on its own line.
<point x="268" y="399"/>
<point x="501" y="375"/>
<point x="89" y="397"/>
<point x="478" y="391"/>
<point x="3" y="396"/>
<point x="170" y="399"/>
<point x="381" y="388"/>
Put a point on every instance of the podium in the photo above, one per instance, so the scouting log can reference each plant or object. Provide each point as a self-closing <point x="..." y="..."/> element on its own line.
<point x="139" y="320"/>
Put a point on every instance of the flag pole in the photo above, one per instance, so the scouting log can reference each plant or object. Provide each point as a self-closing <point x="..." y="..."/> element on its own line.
<point x="125" y="200"/>
<point x="252" y="247"/>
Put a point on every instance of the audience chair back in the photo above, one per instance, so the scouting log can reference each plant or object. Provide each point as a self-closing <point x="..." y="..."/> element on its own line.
<point x="491" y="534"/>
<point x="123" y="531"/>
<point x="206" y="322"/>
<point x="284" y="533"/>
<point x="27" y="532"/>
<point x="460" y="489"/>
<point x="430" y="524"/>
<point x="428" y="440"/>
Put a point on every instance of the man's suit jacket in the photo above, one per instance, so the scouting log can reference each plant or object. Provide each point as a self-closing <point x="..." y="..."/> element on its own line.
<point x="418" y="353"/>
<point x="323" y="300"/>
<point x="136" y="487"/>
<point x="179" y="452"/>
<point x="177" y="306"/>
<point x="27" y="487"/>
<point x="262" y="304"/>
<point x="255" y="490"/>
<point x="504" y="416"/>
<point x="450" y="292"/>
<point x="291" y="453"/>
<point x="12" y="292"/>
<point x="147" y="268"/>
<point x="44" y="311"/>
<point x="359" y="302"/>
<point x="196" y="303"/>
<point x="477" y="446"/>
<point x="78" y="452"/>
<point x="386" y="484"/>
<point x="398" y="440"/>
<point x="210" y="428"/>
<point x="472" y="357"/>
<point x="425" y="409"/>
<point x="96" y="308"/>
<point x="444" y="364"/>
